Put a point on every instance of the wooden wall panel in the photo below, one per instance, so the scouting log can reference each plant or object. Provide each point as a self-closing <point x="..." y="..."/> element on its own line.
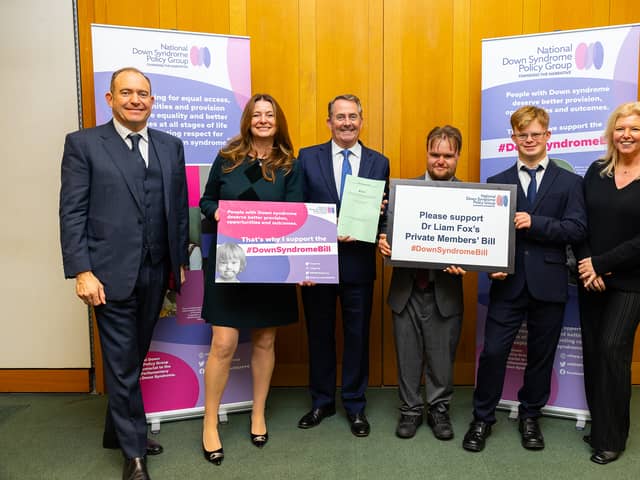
<point x="623" y="11"/>
<point x="207" y="16"/>
<point x="414" y="64"/>
<point x="418" y="85"/>
<point x="274" y="63"/>
<point x="332" y="53"/>
<point x="43" y="380"/>
<point x="572" y="14"/>
<point x="142" y="13"/>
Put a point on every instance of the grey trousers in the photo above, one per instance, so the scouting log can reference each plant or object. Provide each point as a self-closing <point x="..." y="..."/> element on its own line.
<point x="425" y="341"/>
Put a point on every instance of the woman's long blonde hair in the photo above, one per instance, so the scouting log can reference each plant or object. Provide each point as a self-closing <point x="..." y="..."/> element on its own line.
<point x="610" y="160"/>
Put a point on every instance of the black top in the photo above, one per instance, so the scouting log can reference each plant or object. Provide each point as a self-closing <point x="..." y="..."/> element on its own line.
<point x="614" y="229"/>
<point x="246" y="305"/>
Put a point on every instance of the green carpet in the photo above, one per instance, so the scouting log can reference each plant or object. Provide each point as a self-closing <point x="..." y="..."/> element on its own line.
<point x="46" y="436"/>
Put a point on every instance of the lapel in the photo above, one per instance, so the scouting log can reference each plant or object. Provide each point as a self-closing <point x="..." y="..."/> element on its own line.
<point x="164" y="160"/>
<point x="325" y="161"/>
<point x="548" y="178"/>
<point x="116" y="150"/>
<point x="512" y="178"/>
<point x="366" y="162"/>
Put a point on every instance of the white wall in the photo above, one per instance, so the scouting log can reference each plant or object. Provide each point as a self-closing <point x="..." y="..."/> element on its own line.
<point x="42" y="324"/>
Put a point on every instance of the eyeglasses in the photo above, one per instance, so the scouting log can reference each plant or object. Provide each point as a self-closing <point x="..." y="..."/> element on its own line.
<point x="523" y="137"/>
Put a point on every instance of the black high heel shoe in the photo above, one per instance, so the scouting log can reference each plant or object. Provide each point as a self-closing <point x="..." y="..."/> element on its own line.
<point x="215" y="457"/>
<point x="259" y="440"/>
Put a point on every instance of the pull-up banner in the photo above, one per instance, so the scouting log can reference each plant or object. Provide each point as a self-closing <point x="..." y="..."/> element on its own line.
<point x="201" y="83"/>
<point x="579" y="77"/>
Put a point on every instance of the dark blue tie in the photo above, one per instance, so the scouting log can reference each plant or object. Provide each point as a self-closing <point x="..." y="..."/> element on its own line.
<point x="533" y="184"/>
<point x="135" y="147"/>
<point x="346" y="169"/>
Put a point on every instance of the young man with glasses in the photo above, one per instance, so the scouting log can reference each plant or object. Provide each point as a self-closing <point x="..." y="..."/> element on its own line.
<point x="550" y="214"/>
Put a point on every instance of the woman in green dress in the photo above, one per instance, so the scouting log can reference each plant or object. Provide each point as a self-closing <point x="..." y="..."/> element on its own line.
<point x="256" y="165"/>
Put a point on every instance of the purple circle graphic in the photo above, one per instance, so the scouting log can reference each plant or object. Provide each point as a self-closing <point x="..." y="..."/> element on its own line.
<point x="206" y="57"/>
<point x="598" y="55"/>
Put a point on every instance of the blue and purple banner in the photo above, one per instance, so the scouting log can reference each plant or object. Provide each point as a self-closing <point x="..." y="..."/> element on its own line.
<point x="579" y="77"/>
<point x="201" y="83"/>
<point x="277" y="242"/>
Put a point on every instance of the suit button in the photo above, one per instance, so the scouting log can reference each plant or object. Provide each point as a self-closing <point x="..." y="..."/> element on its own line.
<point x="526" y="252"/>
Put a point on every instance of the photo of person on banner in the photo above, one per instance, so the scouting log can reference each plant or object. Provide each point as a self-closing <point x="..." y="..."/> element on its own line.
<point x="609" y="270"/>
<point x="550" y="215"/>
<point x="427" y="307"/>
<point x="257" y="165"/>
<point x="230" y="261"/>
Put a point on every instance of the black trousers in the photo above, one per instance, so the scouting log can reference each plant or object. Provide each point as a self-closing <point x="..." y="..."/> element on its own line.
<point x="125" y="329"/>
<point x="320" y="312"/>
<point x="609" y="321"/>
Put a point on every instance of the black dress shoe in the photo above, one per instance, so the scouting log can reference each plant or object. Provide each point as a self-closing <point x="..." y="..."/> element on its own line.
<point x="407" y="425"/>
<point x="602" y="457"/>
<point x="153" y="447"/>
<point x="359" y="424"/>
<point x="135" y="469"/>
<point x="531" y="434"/>
<point x="215" y="456"/>
<point x="315" y="416"/>
<point x="439" y="421"/>
<point x="476" y="436"/>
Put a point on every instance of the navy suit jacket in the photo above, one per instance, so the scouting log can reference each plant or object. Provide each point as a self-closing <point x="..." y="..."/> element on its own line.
<point x="558" y="218"/>
<point x="101" y="214"/>
<point x="356" y="259"/>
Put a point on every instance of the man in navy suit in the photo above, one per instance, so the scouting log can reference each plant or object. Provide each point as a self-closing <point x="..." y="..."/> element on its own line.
<point x="124" y="231"/>
<point x="324" y="166"/>
<point x="550" y="214"/>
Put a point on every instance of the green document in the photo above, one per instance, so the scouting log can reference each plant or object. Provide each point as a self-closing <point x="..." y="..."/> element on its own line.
<point x="360" y="208"/>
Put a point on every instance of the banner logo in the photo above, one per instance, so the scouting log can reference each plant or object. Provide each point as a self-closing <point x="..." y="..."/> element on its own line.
<point x="502" y="200"/>
<point x="200" y="56"/>
<point x="589" y="55"/>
